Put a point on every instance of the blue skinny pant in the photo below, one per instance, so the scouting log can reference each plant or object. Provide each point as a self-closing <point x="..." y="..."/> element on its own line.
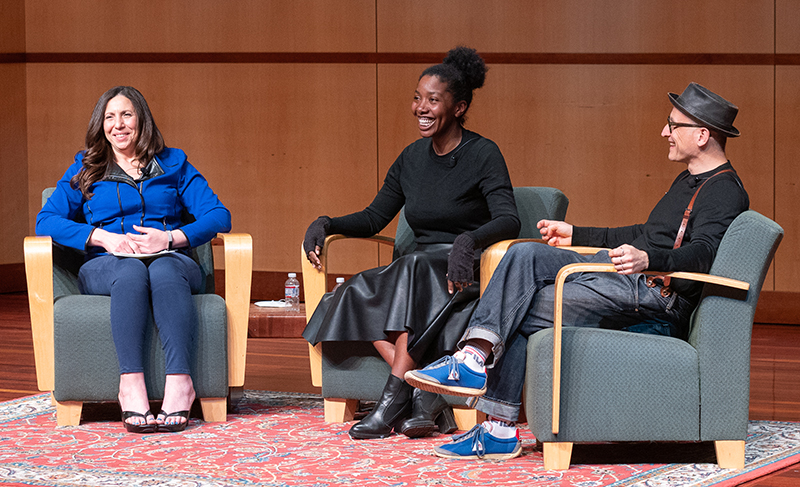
<point x="519" y="301"/>
<point x="166" y="283"/>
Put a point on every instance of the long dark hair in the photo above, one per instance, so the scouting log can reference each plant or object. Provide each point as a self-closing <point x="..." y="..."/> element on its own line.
<point x="464" y="71"/>
<point x="98" y="153"/>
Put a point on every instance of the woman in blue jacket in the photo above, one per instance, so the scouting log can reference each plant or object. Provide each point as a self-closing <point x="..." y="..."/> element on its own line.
<point x="121" y="203"/>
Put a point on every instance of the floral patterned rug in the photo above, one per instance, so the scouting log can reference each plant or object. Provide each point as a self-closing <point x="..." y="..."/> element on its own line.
<point x="281" y="440"/>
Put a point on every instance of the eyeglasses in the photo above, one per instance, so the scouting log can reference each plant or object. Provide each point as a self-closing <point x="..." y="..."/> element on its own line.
<point x="673" y="125"/>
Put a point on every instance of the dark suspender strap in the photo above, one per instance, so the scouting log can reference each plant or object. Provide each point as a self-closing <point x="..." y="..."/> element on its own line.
<point x="665" y="289"/>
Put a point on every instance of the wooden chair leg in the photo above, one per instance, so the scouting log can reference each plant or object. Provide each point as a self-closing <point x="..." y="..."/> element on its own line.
<point x="340" y="410"/>
<point x="68" y="413"/>
<point x="557" y="455"/>
<point x="467" y="418"/>
<point x="730" y="454"/>
<point x="215" y="409"/>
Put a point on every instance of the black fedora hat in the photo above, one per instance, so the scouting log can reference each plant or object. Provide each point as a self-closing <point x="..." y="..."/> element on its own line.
<point x="707" y="108"/>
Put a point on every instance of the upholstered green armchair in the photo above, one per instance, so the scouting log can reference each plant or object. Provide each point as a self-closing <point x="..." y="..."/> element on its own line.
<point x="597" y="385"/>
<point x="73" y="348"/>
<point x="353" y="371"/>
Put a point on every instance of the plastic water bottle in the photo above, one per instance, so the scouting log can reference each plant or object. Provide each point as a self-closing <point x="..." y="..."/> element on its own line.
<point x="292" y="292"/>
<point x="339" y="282"/>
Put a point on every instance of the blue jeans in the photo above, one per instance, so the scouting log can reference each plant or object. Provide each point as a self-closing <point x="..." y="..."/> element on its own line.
<point x="167" y="283"/>
<point x="519" y="301"/>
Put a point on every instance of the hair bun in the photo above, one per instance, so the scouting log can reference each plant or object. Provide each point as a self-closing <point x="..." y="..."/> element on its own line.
<point x="463" y="70"/>
<point x="471" y="65"/>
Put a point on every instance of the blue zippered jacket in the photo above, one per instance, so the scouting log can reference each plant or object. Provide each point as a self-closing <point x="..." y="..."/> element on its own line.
<point x="169" y="185"/>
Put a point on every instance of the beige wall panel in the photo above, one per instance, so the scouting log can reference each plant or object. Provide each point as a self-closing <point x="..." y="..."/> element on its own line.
<point x="787" y="20"/>
<point x="787" y="177"/>
<point x="201" y="26"/>
<point x="13" y="162"/>
<point x="12" y="26"/>
<point x="594" y="131"/>
<point x="280" y="144"/>
<point x="650" y="26"/>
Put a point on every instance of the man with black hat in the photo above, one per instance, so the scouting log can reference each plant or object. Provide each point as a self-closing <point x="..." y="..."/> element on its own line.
<point x="519" y="298"/>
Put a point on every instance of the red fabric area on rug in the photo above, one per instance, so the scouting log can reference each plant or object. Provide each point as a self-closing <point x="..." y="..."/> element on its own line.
<point x="281" y="439"/>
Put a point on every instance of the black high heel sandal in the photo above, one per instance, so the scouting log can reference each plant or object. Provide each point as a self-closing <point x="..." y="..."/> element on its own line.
<point x="174" y="428"/>
<point x="143" y="428"/>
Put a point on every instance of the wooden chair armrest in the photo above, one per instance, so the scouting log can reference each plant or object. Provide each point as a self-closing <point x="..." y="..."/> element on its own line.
<point x="315" y="284"/>
<point x="700" y="277"/>
<point x="238" y="250"/>
<point x="315" y="281"/>
<point x="604" y="267"/>
<point x="39" y="272"/>
<point x="494" y="253"/>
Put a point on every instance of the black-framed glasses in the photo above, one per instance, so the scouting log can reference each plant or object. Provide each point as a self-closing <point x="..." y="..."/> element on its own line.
<point x="673" y="125"/>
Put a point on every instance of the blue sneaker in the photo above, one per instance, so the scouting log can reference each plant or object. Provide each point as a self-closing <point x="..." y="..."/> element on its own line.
<point x="448" y="375"/>
<point x="479" y="444"/>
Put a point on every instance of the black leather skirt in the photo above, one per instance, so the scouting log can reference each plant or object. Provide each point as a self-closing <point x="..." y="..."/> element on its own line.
<point x="408" y="295"/>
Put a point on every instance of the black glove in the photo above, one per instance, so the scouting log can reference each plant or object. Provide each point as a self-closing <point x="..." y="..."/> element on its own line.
<point x="316" y="233"/>
<point x="462" y="258"/>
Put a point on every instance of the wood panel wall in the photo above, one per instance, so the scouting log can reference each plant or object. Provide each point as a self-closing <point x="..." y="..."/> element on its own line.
<point x="13" y="157"/>
<point x="297" y="109"/>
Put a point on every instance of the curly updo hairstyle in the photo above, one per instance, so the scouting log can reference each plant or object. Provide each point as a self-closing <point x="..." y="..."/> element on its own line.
<point x="464" y="71"/>
<point x="98" y="153"/>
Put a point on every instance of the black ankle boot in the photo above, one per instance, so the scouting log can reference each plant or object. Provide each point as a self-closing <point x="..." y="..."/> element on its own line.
<point x="430" y="412"/>
<point x="393" y="407"/>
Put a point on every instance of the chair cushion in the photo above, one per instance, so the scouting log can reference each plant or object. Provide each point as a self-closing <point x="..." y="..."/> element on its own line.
<point x="353" y="370"/>
<point x="86" y="367"/>
<point x="626" y="386"/>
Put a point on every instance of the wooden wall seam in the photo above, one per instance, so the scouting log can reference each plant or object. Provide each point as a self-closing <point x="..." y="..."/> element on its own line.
<point x="717" y="59"/>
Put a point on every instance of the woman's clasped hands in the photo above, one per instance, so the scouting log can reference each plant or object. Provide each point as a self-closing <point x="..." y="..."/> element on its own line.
<point x="147" y="241"/>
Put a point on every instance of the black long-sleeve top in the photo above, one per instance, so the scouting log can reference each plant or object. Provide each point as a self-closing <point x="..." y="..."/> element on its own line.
<point x="717" y="204"/>
<point x="466" y="190"/>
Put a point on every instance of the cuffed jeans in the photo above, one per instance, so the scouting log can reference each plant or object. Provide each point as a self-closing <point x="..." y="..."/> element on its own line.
<point x="519" y="301"/>
<point x="167" y="283"/>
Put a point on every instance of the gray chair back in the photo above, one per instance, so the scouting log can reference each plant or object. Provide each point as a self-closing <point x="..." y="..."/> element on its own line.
<point x="66" y="263"/>
<point x="721" y="327"/>
<point x="536" y="203"/>
<point x="404" y="242"/>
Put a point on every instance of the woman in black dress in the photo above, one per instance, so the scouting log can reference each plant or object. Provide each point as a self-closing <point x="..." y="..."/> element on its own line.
<point x="458" y="200"/>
